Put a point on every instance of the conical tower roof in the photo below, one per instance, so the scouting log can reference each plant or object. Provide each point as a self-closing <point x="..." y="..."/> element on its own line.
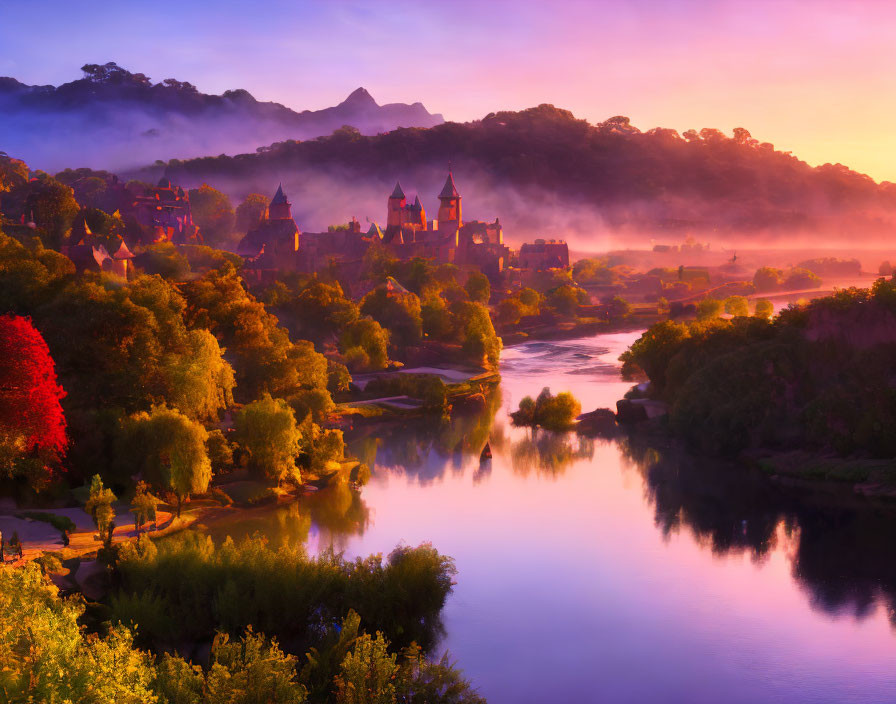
<point x="397" y="193"/>
<point x="375" y="230"/>
<point x="279" y="197"/>
<point x="449" y="190"/>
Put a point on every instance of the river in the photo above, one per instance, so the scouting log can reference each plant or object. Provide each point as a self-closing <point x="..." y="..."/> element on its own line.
<point x="605" y="571"/>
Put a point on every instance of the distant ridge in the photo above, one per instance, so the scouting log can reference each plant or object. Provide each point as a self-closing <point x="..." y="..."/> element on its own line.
<point x="114" y="119"/>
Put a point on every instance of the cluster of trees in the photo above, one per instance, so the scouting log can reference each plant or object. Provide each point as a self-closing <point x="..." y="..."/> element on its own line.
<point x="650" y="180"/>
<point x="144" y="369"/>
<point x="816" y="376"/>
<point x="46" y="656"/>
<point x="768" y="278"/>
<point x="710" y="308"/>
<point x="548" y="411"/>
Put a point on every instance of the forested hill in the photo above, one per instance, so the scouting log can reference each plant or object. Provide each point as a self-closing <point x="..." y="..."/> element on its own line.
<point x="112" y="119"/>
<point x="544" y="171"/>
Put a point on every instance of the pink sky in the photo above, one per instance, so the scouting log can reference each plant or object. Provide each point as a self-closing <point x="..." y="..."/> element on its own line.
<point x="815" y="78"/>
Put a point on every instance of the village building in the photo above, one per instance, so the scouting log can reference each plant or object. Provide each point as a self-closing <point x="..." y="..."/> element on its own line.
<point x="274" y="243"/>
<point x="89" y="254"/>
<point x="165" y="213"/>
<point x="544" y="254"/>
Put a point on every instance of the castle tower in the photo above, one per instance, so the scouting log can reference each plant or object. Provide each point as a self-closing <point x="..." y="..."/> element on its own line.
<point x="416" y="215"/>
<point x="397" y="203"/>
<point x="449" y="202"/>
<point x="280" y="207"/>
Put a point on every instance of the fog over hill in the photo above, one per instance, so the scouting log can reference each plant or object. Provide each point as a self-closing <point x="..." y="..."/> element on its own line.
<point x="548" y="174"/>
<point x="114" y="119"/>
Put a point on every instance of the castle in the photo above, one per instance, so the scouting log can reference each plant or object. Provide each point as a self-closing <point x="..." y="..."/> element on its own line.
<point x="277" y="244"/>
<point x="165" y="212"/>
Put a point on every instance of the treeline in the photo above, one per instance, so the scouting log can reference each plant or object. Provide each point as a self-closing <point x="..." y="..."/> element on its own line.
<point x="652" y="180"/>
<point x="46" y="655"/>
<point x="817" y="377"/>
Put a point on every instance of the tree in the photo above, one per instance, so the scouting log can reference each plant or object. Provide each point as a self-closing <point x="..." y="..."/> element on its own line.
<point x="567" y="298"/>
<point x="32" y="424"/>
<point x="200" y="382"/>
<point x="169" y="449"/>
<point x="250" y="212"/>
<point x="252" y="670"/>
<point x="799" y="278"/>
<point x="47" y="658"/>
<point x="266" y="429"/>
<point x="365" y="344"/>
<point x="143" y="507"/>
<point x="396" y="311"/>
<point x="478" y="287"/>
<point x="767" y="278"/>
<point x="709" y="308"/>
<point x="885" y="268"/>
<point x="548" y="411"/>
<point x="53" y="207"/>
<point x="367" y="673"/>
<point x="479" y="342"/>
<point x="617" y="308"/>
<point x="737" y="305"/>
<point x="213" y="213"/>
<point x="99" y="507"/>
<point x="763" y="308"/>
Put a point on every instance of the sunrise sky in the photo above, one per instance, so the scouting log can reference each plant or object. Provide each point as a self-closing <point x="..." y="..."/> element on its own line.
<point x="815" y="78"/>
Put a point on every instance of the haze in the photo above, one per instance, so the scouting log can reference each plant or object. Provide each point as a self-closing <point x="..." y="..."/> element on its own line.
<point x="816" y="83"/>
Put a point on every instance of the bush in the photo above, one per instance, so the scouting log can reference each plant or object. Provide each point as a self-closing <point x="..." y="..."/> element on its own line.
<point x="189" y="589"/>
<point x="548" y="411"/>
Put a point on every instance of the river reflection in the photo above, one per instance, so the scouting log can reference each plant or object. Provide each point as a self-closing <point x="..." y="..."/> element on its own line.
<point x="593" y="570"/>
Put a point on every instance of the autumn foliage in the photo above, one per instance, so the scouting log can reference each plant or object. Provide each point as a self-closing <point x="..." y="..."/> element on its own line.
<point x="31" y="418"/>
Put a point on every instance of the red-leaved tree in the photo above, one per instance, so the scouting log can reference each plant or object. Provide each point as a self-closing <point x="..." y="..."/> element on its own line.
<point x="32" y="424"/>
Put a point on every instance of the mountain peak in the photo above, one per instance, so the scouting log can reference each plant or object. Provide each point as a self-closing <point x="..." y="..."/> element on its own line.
<point x="360" y="98"/>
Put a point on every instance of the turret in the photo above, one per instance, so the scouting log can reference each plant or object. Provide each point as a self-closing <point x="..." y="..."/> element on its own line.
<point x="397" y="201"/>
<point x="280" y="207"/>
<point x="449" y="202"/>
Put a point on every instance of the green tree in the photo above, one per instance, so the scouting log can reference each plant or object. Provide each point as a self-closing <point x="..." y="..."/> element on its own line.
<point x="46" y="657"/>
<point x="250" y="212"/>
<point x="54" y="208"/>
<point x="367" y="673"/>
<point x="213" y="213"/>
<point x="266" y="429"/>
<point x="478" y="287"/>
<point x="99" y="507"/>
<point x="567" y="298"/>
<point x="767" y="278"/>
<point x="709" y="308"/>
<point x="369" y="338"/>
<point x="252" y="671"/>
<point x="737" y="305"/>
<point x="166" y="260"/>
<point x="396" y="311"/>
<point x="170" y="450"/>
<point x="200" y="381"/>
<point x="143" y="507"/>
<point x="763" y="308"/>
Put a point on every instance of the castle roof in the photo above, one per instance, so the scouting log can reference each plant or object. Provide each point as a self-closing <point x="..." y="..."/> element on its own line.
<point x="80" y="232"/>
<point x="417" y="204"/>
<point x="122" y="252"/>
<point x="279" y="197"/>
<point x="449" y="190"/>
<point x="375" y="231"/>
<point x="397" y="193"/>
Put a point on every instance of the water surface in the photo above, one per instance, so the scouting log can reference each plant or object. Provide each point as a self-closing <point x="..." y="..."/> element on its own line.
<point x="606" y="571"/>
